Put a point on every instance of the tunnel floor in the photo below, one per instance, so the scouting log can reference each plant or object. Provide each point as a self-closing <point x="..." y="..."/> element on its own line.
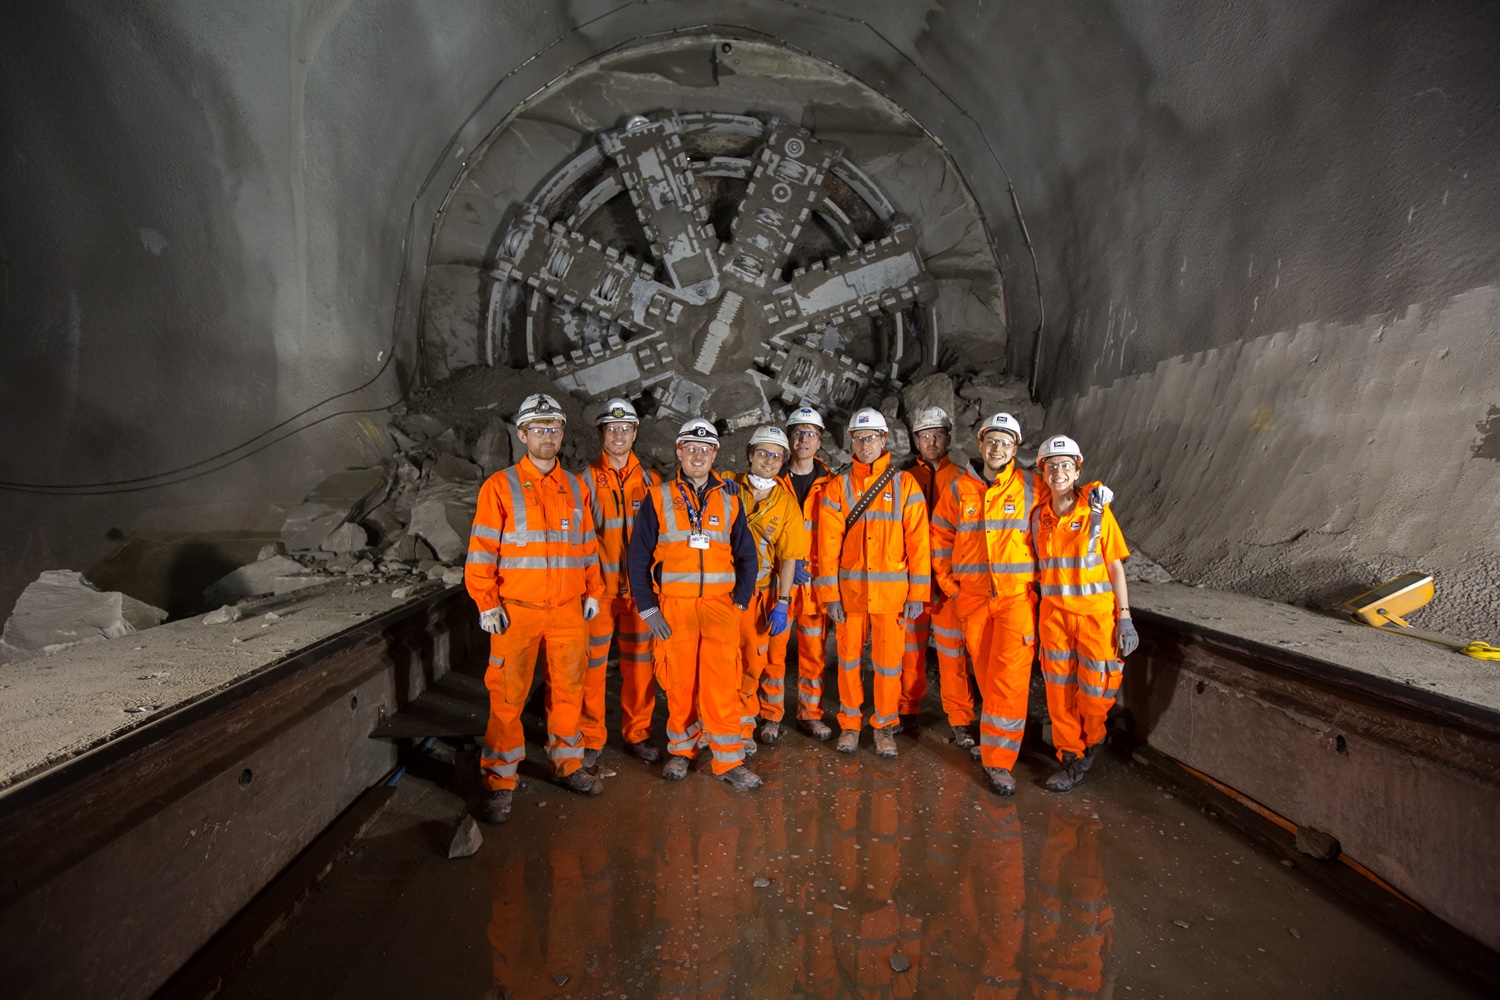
<point x="838" y="871"/>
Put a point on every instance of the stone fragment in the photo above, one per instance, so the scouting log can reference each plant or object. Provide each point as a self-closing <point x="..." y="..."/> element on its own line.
<point x="343" y="496"/>
<point x="442" y="517"/>
<point x="300" y="581"/>
<point x="402" y="593"/>
<point x="559" y="979"/>
<point x="248" y="581"/>
<point x="900" y="963"/>
<point x="1294" y="932"/>
<point x="466" y="839"/>
<point x="449" y="443"/>
<point x="420" y="426"/>
<point x="1181" y="923"/>
<point x="453" y="576"/>
<point x="271" y="616"/>
<point x="362" y="568"/>
<point x="1315" y="843"/>
<point x="270" y="550"/>
<point x="934" y="390"/>
<point x="341" y="563"/>
<point x="62" y="609"/>
<point x="761" y="882"/>
<point x="347" y="537"/>
<point x="492" y="450"/>
<point x="228" y="613"/>
<point x="448" y="468"/>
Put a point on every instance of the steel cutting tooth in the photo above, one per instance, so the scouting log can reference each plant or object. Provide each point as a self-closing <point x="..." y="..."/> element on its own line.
<point x="785" y="186"/>
<point x="882" y="276"/>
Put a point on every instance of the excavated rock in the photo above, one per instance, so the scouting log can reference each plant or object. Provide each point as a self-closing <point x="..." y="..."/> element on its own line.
<point x="346" y="538"/>
<point x="248" y="581"/>
<point x="442" y="517"/>
<point x="447" y="468"/>
<point x="343" y="496"/>
<point x="62" y="609"/>
<point x="492" y="450"/>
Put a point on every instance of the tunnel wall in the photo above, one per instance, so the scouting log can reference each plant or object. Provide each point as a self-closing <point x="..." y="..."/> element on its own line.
<point x="206" y="231"/>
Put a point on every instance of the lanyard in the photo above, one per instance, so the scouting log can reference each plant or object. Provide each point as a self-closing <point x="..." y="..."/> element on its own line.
<point x="695" y="514"/>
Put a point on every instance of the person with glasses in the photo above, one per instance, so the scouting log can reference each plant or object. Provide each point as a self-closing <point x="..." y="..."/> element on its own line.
<point x="620" y="486"/>
<point x="692" y="566"/>
<point x="533" y="570"/>
<point x="805" y="476"/>
<point x="872" y="576"/>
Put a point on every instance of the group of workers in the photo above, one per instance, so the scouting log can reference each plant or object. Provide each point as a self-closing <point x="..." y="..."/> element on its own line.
<point x="702" y="579"/>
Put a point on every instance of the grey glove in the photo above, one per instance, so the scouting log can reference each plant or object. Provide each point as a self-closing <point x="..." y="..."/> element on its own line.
<point x="657" y="623"/>
<point x="835" y="611"/>
<point x="1100" y="497"/>
<point x="1126" y="639"/>
<point x="912" y="611"/>
<point x="494" y="621"/>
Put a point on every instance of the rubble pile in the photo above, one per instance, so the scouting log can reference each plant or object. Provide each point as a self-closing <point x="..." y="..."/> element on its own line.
<point x="62" y="610"/>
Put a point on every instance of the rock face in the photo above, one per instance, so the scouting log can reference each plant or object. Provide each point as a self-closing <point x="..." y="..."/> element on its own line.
<point x="248" y="581"/>
<point x="62" y="609"/>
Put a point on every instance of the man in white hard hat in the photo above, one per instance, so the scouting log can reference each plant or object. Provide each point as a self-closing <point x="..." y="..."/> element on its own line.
<point x="805" y="476"/>
<point x="621" y="485"/>
<point x="934" y="471"/>
<point x="692" y="568"/>
<point x="533" y="570"/>
<point x="872" y="575"/>
<point x="776" y="522"/>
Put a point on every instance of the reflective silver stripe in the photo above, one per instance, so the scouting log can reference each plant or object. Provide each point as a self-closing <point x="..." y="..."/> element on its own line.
<point x="825" y="581"/>
<point x="870" y="576"/>
<point x="942" y="522"/>
<point x="730" y="756"/>
<point x="610" y="567"/>
<point x="1017" y="567"/>
<point x="719" y="739"/>
<point x="971" y="569"/>
<point x="565" y="753"/>
<point x="696" y="577"/>
<point x="1005" y="524"/>
<point x="691" y="733"/>
<point x="916" y="497"/>
<point x="880" y="515"/>
<point x="1003" y="742"/>
<point x="812" y="683"/>
<point x="501" y="770"/>
<point x="595" y="662"/>
<point x="942" y="553"/>
<point x="484" y="531"/>
<point x="508" y="756"/>
<point x="575" y="740"/>
<point x="1087" y="562"/>
<point x="487" y="558"/>
<point x="495" y="661"/>
<point x="527" y="537"/>
<point x="830" y="502"/>
<point x="881" y="721"/>
<point x="888" y="671"/>
<point x="635" y="657"/>
<point x="1000" y="722"/>
<point x="846" y="710"/>
<point x="1057" y="654"/>
<point x="773" y="699"/>
<point x="918" y="580"/>
<point x="599" y="640"/>
<point x="1076" y="590"/>
<point x="811" y="633"/>
<point x="1060" y="680"/>
<point x="608" y="523"/>
<point x="951" y="647"/>
<point x="848" y="664"/>
<point x="598" y="512"/>
<point x="773" y="683"/>
<point x="970" y="528"/>
<point x="747" y="720"/>
<point x="948" y="633"/>
<point x="524" y="562"/>
<point x="1093" y="690"/>
<point x="517" y="500"/>
<point x="1099" y="666"/>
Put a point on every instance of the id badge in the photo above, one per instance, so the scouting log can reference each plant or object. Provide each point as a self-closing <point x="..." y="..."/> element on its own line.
<point x="697" y="540"/>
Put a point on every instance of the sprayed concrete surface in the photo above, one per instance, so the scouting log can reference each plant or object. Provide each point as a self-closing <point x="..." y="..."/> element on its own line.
<point x="819" y="885"/>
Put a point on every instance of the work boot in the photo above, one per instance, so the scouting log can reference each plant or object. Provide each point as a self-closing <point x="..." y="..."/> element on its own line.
<point x="848" y="741"/>
<point x="751" y="749"/>
<point x="1069" y="773"/>
<point x="591" y="758"/>
<point x="676" y="768"/>
<point x="818" y="730"/>
<point x="741" y="777"/>
<point x="494" y="807"/>
<point x="643" y="751"/>
<point x="583" y="783"/>
<point x="1090" y="754"/>
<point x="1001" y="780"/>
<point x="885" y="743"/>
<point x="963" y="738"/>
<point x="770" y="732"/>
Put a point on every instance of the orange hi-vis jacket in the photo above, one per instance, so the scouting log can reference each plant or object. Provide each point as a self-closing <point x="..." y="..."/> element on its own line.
<point x="686" y="571"/>
<point x="882" y="561"/>
<point x="1073" y="554"/>
<point x="533" y="540"/>
<point x="618" y="495"/>
<point x="934" y="481"/>
<point x="981" y="543"/>
<point x="778" y="526"/>
<point x="810" y="506"/>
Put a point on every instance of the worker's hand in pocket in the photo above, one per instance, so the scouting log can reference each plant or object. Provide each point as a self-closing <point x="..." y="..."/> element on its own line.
<point x="912" y="611"/>
<point x="777" y="619"/>
<point x="657" y="623"/>
<point x="590" y="608"/>
<point x="1101" y="496"/>
<point x="835" y="611"/>
<point x="494" y="621"/>
<point x="1126" y="639"/>
<point x="801" y="575"/>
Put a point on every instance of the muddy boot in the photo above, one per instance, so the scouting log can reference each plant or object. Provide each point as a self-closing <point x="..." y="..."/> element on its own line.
<point x="751" y="749"/>
<point x="583" y="783"/>
<point x="817" y="729"/>
<point x="769" y="733"/>
<point x="1090" y="754"/>
<point x="885" y="743"/>
<point x="741" y="777"/>
<point x="1069" y="773"/>
<point x="591" y="758"/>
<point x="1001" y="780"/>
<point x="848" y="741"/>
<point x="676" y="768"/>
<point x="494" y="807"/>
<point x="963" y="738"/>
<point x="643" y="751"/>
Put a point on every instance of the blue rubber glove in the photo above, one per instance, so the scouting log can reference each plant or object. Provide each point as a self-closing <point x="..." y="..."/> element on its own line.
<point x="778" y="617"/>
<point x="801" y="575"/>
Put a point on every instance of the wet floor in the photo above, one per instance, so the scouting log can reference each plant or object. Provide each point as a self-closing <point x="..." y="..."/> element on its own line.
<point x="844" y="876"/>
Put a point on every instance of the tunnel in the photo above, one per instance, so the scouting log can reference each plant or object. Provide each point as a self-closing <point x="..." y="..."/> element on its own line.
<point x="277" y="274"/>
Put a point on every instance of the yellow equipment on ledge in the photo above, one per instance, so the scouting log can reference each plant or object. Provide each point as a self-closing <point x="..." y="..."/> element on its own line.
<point x="1389" y="603"/>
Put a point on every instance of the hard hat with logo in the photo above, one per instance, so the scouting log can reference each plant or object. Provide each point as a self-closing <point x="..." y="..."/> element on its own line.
<point x="539" y="406"/>
<point x="1059" y="445"/>
<point x="931" y="418"/>
<point x="1001" y="422"/>
<point x="868" y="419"/>
<point x="698" y="429"/>
<point x="766" y="434"/>
<point x="618" y="411"/>
<point x="805" y="415"/>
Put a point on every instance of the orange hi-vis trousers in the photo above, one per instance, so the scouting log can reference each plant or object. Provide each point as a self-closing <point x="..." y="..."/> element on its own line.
<point x="699" y="668"/>
<point x="619" y="617"/>
<point x="953" y="666"/>
<point x="508" y="677"/>
<point x="1082" y="675"/>
<point x="1001" y="639"/>
<point x="887" y="639"/>
<point x="755" y="641"/>
<point x="809" y="622"/>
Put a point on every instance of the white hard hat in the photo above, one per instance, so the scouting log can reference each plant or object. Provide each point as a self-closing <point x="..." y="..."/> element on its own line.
<point x="618" y="411"/>
<point x="698" y="429"/>
<point x="868" y="419"/>
<point x="539" y="406"/>
<point x="931" y="418"/>
<point x="1059" y="444"/>
<point x="770" y="435"/>
<point x="805" y="415"/>
<point x="1001" y="422"/>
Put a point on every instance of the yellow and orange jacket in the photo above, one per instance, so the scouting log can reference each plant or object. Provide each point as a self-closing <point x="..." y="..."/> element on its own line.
<point x="1073" y="553"/>
<point x="618" y="495"/>
<point x="778" y="526"/>
<point x="981" y="533"/>
<point x="810" y="507"/>
<point x="533" y="540"/>
<point x="883" y="560"/>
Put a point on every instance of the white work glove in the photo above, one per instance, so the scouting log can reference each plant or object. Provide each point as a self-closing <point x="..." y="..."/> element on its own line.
<point x="1101" y="496"/>
<point x="657" y="623"/>
<point x="590" y="608"/>
<point x="494" y="621"/>
<point x="912" y="611"/>
<point x="835" y="611"/>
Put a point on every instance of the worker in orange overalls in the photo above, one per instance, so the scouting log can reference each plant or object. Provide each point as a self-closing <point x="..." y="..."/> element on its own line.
<point x="804" y="477"/>
<point x="872" y="575"/>
<point x="533" y="569"/>
<point x="620" y="486"/>
<point x="934" y="471"/>
<point x="775" y="520"/>
<point x="692" y="568"/>
<point x="1084" y="621"/>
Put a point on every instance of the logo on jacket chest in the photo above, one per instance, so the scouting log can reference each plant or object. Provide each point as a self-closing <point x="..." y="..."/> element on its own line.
<point x="566" y="524"/>
<point x="1075" y="525"/>
<point x="888" y="497"/>
<point x="635" y="505"/>
<point x="713" y="520"/>
<point x="970" y="510"/>
<point x="1010" y="508"/>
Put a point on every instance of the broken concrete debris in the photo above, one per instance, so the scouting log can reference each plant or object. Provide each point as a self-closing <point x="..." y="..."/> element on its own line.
<point x="466" y="839"/>
<point x="62" y="609"/>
